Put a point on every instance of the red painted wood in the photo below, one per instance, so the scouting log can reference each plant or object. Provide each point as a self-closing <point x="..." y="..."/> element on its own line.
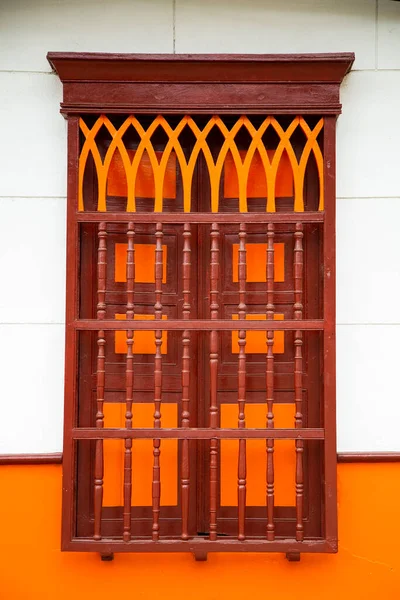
<point x="198" y="433"/>
<point x="130" y="311"/>
<point x="56" y="458"/>
<point x="200" y="544"/>
<point x="242" y="383"/>
<point x="185" y="479"/>
<point x="101" y="312"/>
<point x="270" y="310"/>
<point x="158" y="308"/>
<point x="77" y="66"/>
<point x="200" y="325"/>
<point x="298" y="377"/>
<point x="329" y="342"/>
<point x="224" y="269"/>
<point x="364" y="457"/>
<point x="284" y="85"/>
<point x="72" y="313"/>
<point x="195" y="217"/>
<point x="225" y="98"/>
<point x="214" y="412"/>
<point x="95" y="83"/>
<point x="51" y="458"/>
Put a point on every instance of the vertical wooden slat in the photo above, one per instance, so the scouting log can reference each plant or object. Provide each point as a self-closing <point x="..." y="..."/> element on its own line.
<point x="298" y="375"/>
<point x="214" y="309"/>
<point x="71" y="339"/>
<point x="270" y="308"/>
<point x="130" y="311"/>
<point x="158" y="277"/>
<point x="185" y="480"/>
<point x="242" y="383"/>
<point x="329" y="360"/>
<point x="101" y="313"/>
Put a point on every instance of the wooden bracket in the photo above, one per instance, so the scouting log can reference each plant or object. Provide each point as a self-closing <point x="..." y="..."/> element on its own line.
<point x="107" y="557"/>
<point x="199" y="555"/>
<point x="293" y="556"/>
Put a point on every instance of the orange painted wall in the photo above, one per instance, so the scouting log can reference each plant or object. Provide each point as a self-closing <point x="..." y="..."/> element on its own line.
<point x="366" y="567"/>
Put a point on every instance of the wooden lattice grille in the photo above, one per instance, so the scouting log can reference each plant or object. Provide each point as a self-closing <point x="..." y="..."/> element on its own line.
<point x="211" y="229"/>
<point x="242" y="160"/>
<point x="200" y="314"/>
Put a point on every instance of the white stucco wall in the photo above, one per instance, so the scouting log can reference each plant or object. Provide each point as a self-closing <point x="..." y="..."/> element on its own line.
<point x="33" y="187"/>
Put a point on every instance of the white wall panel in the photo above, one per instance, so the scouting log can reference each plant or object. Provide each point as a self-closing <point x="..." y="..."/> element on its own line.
<point x="367" y="388"/>
<point x="32" y="260"/>
<point x="270" y="26"/>
<point x="30" y="28"/>
<point x="388" y="34"/>
<point x="33" y="187"/>
<point x="33" y="133"/>
<point x="368" y="259"/>
<point x="31" y="388"/>
<point x="368" y="135"/>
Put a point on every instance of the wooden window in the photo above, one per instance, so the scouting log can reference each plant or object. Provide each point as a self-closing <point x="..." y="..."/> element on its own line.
<point x="200" y="355"/>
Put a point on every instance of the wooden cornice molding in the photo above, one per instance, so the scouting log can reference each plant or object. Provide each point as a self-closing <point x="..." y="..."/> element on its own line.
<point x="243" y="68"/>
<point x="176" y="83"/>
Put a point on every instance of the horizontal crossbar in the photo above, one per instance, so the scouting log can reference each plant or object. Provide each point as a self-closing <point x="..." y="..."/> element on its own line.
<point x="92" y="433"/>
<point x="223" y="544"/>
<point x="196" y="325"/>
<point x="256" y="217"/>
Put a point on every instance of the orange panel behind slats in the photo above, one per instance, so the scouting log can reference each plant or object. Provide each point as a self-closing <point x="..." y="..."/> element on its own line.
<point x="257" y="183"/>
<point x="116" y="183"/>
<point x="143" y="341"/>
<point x="284" y="457"/>
<point x="256" y="342"/>
<point x="256" y="263"/>
<point x="142" y="457"/>
<point x="144" y="263"/>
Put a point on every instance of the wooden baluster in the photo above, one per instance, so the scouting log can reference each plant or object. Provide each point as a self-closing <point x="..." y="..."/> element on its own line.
<point x="158" y="276"/>
<point x="214" y="309"/>
<point x="101" y="313"/>
<point x="270" y="383"/>
<point x="130" y="278"/>
<point x="298" y="375"/>
<point x="242" y="383"/>
<point x="185" y="480"/>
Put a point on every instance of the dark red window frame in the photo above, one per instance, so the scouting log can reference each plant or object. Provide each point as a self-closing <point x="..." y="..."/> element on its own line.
<point x="305" y="85"/>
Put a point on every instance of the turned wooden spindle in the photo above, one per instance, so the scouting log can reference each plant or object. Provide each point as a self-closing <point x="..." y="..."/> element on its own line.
<point x="214" y="311"/>
<point x="242" y="308"/>
<point x="158" y="277"/>
<point x="270" y="308"/>
<point x="185" y="478"/>
<point x="130" y="279"/>
<point x="101" y="357"/>
<point x="298" y="375"/>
